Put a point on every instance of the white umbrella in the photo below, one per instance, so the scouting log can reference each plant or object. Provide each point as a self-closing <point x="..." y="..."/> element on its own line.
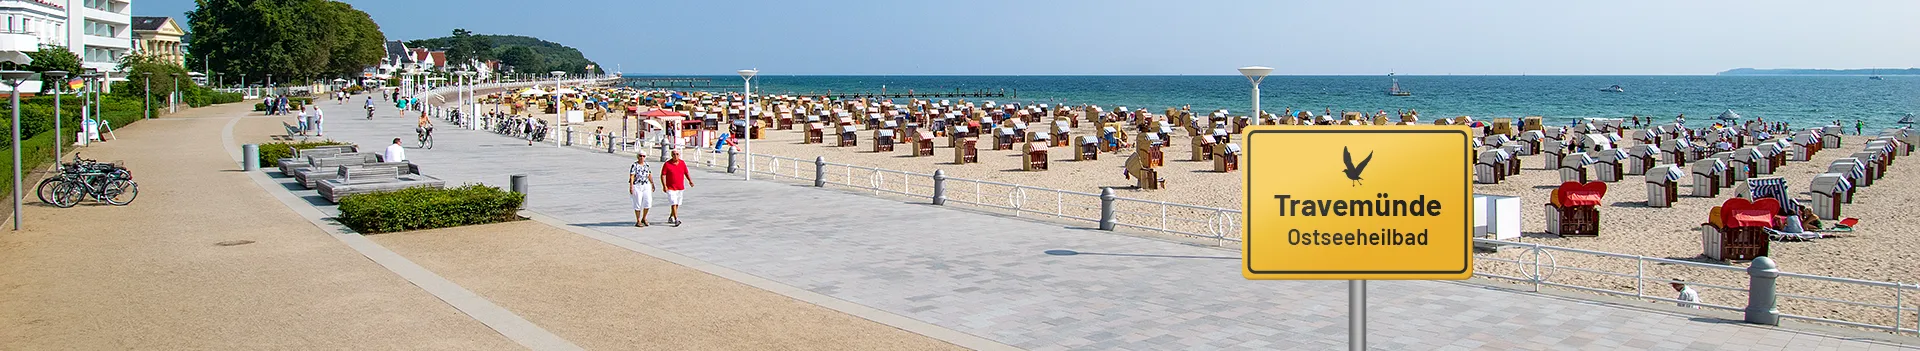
<point x="565" y="91"/>
<point x="1729" y="116"/>
<point x="533" y="92"/>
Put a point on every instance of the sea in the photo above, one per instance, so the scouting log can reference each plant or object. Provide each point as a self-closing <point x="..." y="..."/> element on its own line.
<point x="1800" y="100"/>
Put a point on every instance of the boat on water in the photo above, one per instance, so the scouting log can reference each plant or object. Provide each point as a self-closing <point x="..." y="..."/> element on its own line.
<point x="1614" y="89"/>
<point x="1906" y="120"/>
<point x="1875" y="76"/>
<point x="1395" y="89"/>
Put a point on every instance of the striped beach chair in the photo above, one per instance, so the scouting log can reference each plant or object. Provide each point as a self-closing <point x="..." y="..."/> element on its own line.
<point x="1663" y="185"/>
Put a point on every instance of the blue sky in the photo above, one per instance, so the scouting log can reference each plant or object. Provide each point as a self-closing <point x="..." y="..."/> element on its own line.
<point x="1180" y="37"/>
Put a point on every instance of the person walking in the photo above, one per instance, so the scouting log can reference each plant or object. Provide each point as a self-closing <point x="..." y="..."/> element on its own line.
<point x="640" y="187"/>
<point x="318" y="118"/>
<point x="673" y="174"/>
<point x="1859" y="127"/>
<point x="302" y="119"/>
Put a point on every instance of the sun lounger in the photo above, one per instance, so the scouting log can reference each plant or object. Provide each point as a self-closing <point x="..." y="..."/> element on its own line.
<point x="1573" y="209"/>
<point x="362" y="180"/>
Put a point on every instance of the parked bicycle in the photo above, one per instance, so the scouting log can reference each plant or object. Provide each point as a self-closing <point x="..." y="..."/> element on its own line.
<point x="83" y="179"/>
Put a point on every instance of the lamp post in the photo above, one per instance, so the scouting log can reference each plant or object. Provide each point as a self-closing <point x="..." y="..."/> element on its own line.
<point x="243" y="82"/>
<point x="559" y="115"/>
<point x="746" y="137"/>
<point x="466" y="101"/>
<point x="14" y="79"/>
<point x="146" y="106"/>
<point x="86" y="105"/>
<point x="56" y="76"/>
<point x="1254" y="75"/>
<point x="173" y="100"/>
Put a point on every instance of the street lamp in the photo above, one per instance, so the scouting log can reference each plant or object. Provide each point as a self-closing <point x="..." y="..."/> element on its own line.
<point x="86" y="105"/>
<point x="1255" y="74"/>
<point x="56" y="76"/>
<point x="746" y="139"/>
<point x="14" y="79"/>
<point x="147" y="106"/>
<point x="173" y="100"/>
<point x="466" y="101"/>
<point x="560" y="115"/>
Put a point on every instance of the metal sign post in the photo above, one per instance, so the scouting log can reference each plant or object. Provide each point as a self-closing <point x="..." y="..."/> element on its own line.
<point x="1356" y="315"/>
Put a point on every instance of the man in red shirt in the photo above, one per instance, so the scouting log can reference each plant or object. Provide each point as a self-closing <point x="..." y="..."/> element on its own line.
<point x="673" y="174"/>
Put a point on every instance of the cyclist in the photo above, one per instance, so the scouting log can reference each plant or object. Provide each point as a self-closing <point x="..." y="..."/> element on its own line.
<point x="369" y="107"/>
<point x="425" y="130"/>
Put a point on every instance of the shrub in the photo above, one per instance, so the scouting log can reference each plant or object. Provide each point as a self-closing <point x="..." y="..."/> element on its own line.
<point x="271" y="153"/>
<point x="428" y="208"/>
<point x="292" y="105"/>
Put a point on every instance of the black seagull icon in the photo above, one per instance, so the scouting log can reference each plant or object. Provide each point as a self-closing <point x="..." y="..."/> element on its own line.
<point x="1353" y="172"/>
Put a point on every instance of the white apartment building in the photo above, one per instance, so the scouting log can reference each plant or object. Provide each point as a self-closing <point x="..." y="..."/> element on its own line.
<point x="100" y="31"/>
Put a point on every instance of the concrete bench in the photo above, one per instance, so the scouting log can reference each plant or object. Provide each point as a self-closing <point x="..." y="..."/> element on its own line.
<point x="363" y="180"/>
<point x="300" y="157"/>
<point x="312" y="176"/>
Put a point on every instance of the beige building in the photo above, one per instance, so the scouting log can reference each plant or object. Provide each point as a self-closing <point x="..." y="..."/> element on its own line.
<point x="159" y="37"/>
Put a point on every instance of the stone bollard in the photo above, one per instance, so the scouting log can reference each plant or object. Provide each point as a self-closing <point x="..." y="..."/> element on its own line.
<point x="1106" y="208"/>
<point x="250" y="157"/>
<point x="611" y="141"/>
<point x="1761" y="301"/>
<point x="819" y="171"/>
<point x="730" y="165"/>
<point x="518" y="184"/>
<point x="569" y="137"/>
<point x="663" y="149"/>
<point x="939" y="187"/>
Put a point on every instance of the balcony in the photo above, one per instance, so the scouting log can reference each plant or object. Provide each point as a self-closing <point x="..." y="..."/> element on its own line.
<point x="18" y="42"/>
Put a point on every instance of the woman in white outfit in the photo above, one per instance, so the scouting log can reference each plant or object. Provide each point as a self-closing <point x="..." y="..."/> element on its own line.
<point x="640" y="186"/>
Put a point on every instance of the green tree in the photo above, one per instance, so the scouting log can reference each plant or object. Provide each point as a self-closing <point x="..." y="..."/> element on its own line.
<point x="523" y="59"/>
<point x="293" y="40"/>
<point x="53" y="58"/>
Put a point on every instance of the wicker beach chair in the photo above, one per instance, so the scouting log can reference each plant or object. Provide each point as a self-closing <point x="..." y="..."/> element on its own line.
<point x="1034" y="156"/>
<point x="1573" y="209"/>
<point x="1663" y="186"/>
<point x="1738" y="229"/>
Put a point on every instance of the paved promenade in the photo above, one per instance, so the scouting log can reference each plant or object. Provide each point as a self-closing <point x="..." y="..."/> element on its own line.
<point x="990" y="276"/>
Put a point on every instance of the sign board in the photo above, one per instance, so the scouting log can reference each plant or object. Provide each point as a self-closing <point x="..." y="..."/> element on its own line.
<point x="1357" y="203"/>
<point x="576" y="116"/>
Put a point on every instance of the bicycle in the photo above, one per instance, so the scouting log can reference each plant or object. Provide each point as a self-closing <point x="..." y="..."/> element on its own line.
<point x="46" y="190"/>
<point x="104" y="182"/>
<point x="425" y="134"/>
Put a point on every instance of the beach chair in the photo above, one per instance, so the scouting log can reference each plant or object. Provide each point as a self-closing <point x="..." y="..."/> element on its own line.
<point x="1060" y="133"/>
<point x="1573" y="167"/>
<point x="1503" y="126"/>
<point x="1143" y="174"/>
<point x="1744" y="163"/>
<point x="1044" y="138"/>
<point x="1573" y="209"/>
<point x="1871" y="161"/>
<point x="1495" y="140"/>
<point x="922" y="142"/>
<point x="849" y="136"/>
<point x="1034" y="156"/>
<point x="1019" y="130"/>
<point x="1641" y="158"/>
<point x="1726" y="174"/>
<point x="1088" y="149"/>
<point x="1804" y="146"/>
<point x="1775" y="155"/>
<point x="815" y="133"/>
<point x="1149" y="144"/>
<point x="1489" y="167"/>
<point x="1675" y="151"/>
<point x="1645" y="137"/>
<point x="1706" y="177"/>
<point x="1830" y="136"/>
<point x="1110" y="138"/>
<point x="1004" y="138"/>
<point x="882" y="140"/>
<point x="966" y="151"/>
<point x="1738" y="229"/>
<point x="1227" y="158"/>
<point x="1854" y="173"/>
<point x="1610" y="165"/>
<point x="1829" y="191"/>
<point x="956" y="132"/>
<point x="1201" y="144"/>
<point x="1663" y="186"/>
<point x="1554" y="150"/>
<point x="1885" y="149"/>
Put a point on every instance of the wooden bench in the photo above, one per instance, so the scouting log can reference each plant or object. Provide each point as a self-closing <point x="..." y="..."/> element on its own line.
<point x="363" y="180"/>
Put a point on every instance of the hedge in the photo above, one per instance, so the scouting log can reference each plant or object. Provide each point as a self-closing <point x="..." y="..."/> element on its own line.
<point x="429" y="208"/>
<point x="271" y="153"/>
